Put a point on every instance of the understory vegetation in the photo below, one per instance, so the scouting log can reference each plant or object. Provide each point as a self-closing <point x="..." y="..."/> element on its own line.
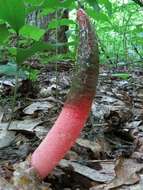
<point x="23" y="34"/>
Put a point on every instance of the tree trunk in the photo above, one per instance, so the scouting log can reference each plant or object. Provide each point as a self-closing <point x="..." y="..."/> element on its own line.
<point x="52" y="35"/>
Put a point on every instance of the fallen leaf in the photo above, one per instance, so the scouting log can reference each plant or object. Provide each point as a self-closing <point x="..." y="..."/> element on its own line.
<point x="37" y="106"/>
<point x="26" y="125"/>
<point x="93" y="146"/>
<point x="6" y="137"/>
<point x="126" y="174"/>
<point x="94" y="175"/>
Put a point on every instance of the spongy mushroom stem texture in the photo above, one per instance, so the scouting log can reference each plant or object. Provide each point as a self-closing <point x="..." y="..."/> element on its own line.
<point x="76" y="109"/>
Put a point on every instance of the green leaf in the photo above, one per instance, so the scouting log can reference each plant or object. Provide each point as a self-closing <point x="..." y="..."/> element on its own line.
<point x="46" y="11"/>
<point x="94" y="4"/>
<point x="13" y="11"/>
<point x="123" y="76"/>
<point x="33" y="74"/>
<point x="4" y="34"/>
<point x="2" y="21"/>
<point x="99" y="16"/>
<point x="138" y="29"/>
<point x="68" y="4"/>
<point x="32" y="32"/>
<point x="61" y="22"/>
<point x="12" y="51"/>
<point x="24" y="54"/>
<point x="52" y="4"/>
<point x="139" y="41"/>
<point x="10" y="69"/>
<point x="34" y="2"/>
<point x="33" y="5"/>
<point x="107" y="4"/>
<point x="57" y="4"/>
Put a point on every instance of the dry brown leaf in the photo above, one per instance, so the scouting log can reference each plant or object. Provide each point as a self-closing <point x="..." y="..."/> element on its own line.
<point x="95" y="147"/>
<point x="37" y="106"/>
<point x="126" y="174"/>
<point x="26" y="125"/>
<point x="103" y="175"/>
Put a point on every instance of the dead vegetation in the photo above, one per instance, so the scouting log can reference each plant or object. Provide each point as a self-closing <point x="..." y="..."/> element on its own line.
<point x="108" y="154"/>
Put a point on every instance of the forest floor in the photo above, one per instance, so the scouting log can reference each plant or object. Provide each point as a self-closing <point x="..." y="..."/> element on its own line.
<point x="109" y="152"/>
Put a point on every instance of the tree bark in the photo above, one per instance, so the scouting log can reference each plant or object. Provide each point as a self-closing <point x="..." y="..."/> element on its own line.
<point x="51" y="35"/>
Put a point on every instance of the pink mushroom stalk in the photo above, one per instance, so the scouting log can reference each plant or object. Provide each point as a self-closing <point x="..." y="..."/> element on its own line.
<point x="76" y="109"/>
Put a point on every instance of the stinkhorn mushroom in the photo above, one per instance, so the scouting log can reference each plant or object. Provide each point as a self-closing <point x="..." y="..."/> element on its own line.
<point x="77" y="106"/>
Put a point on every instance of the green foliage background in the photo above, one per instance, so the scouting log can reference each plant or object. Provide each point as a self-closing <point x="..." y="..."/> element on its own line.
<point x="119" y="27"/>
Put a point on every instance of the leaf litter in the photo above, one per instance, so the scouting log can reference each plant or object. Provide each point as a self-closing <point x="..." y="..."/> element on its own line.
<point x="108" y="155"/>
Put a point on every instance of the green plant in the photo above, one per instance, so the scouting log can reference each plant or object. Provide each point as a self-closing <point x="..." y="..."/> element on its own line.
<point x="13" y="16"/>
<point x="123" y="76"/>
<point x="14" y="31"/>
